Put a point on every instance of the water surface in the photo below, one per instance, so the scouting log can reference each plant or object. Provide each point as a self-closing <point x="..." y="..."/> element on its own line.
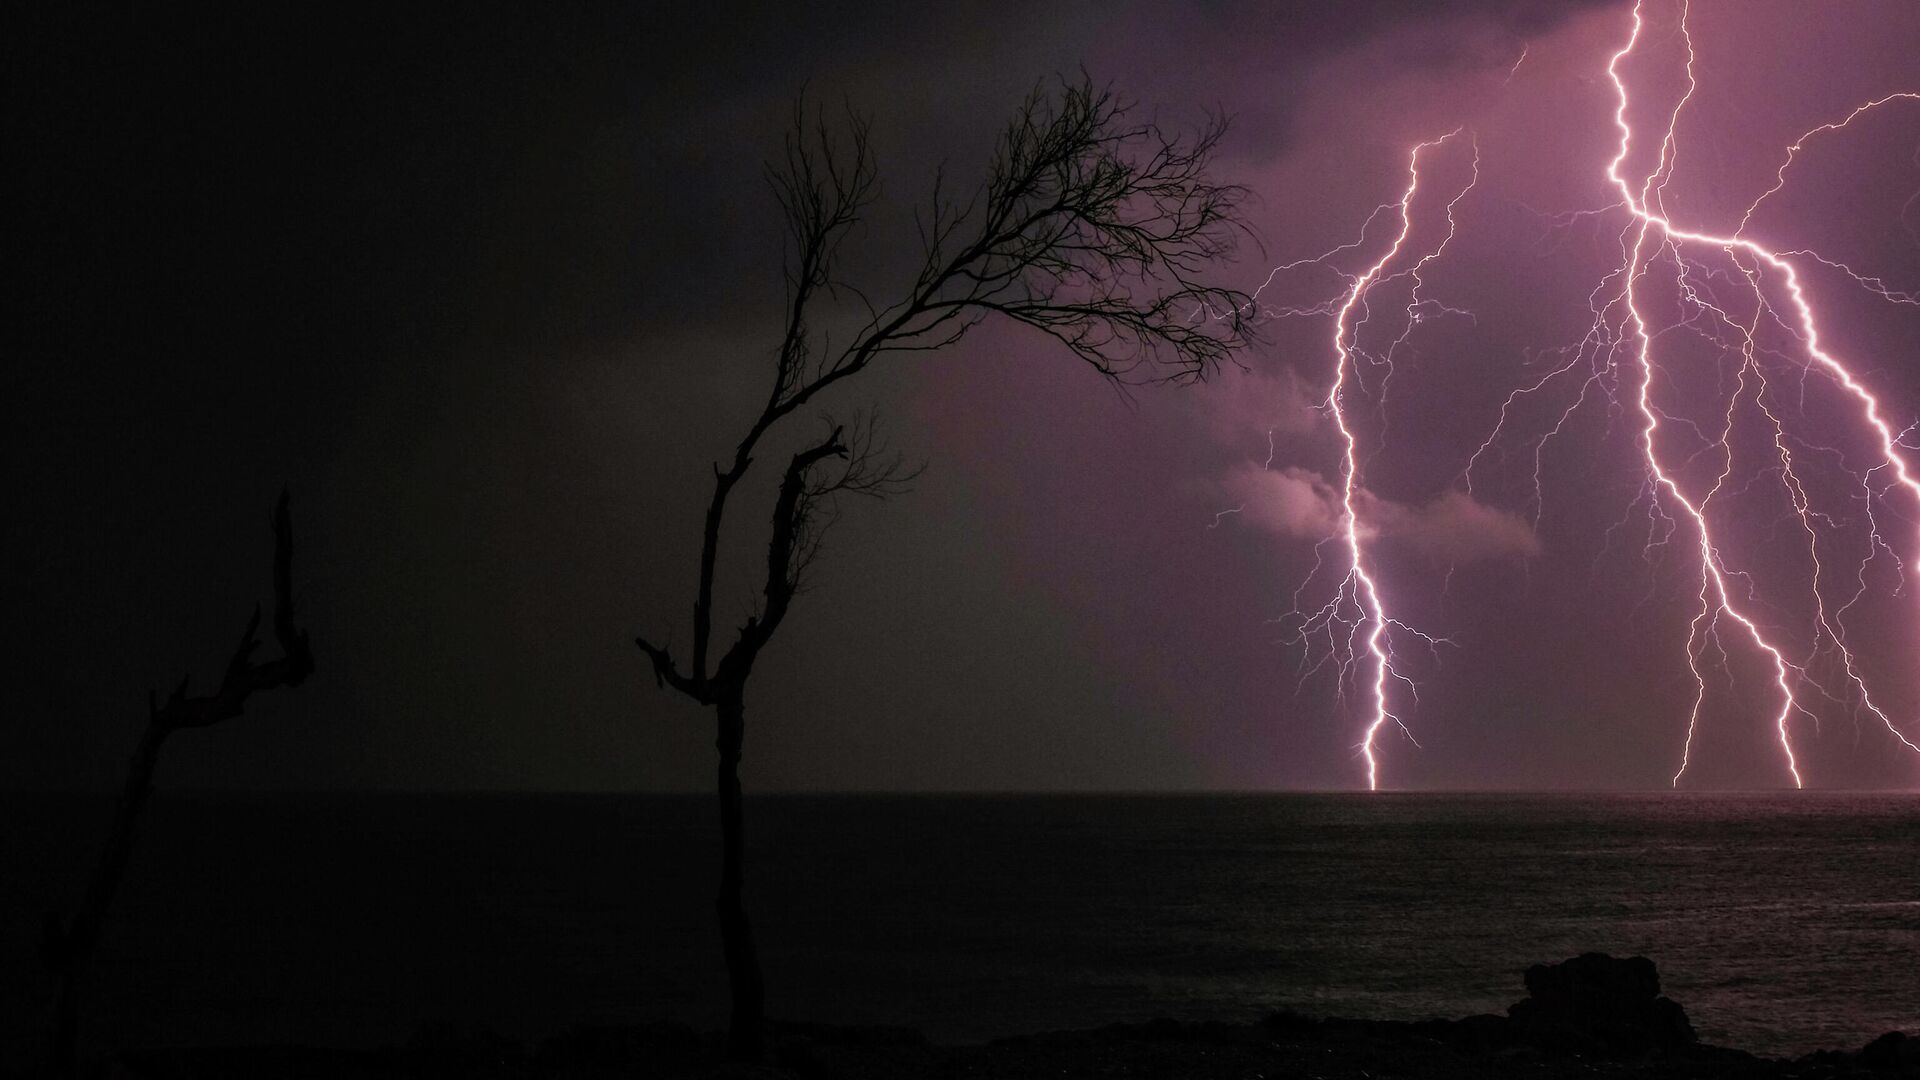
<point x="1783" y="922"/>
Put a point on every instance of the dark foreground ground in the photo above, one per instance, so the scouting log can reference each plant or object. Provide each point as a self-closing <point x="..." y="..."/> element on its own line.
<point x="1282" y="1047"/>
<point x="1592" y="1016"/>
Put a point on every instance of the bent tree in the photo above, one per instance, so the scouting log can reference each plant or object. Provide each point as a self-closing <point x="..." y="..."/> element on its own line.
<point x="1092" y="226"/>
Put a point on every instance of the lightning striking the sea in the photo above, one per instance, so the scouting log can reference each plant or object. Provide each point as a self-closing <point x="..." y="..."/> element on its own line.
<point x="1752" y="304"/>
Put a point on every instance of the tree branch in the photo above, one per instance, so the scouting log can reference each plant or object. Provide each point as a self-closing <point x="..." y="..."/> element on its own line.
<point x="665" y="673"/>
<point x="1090" y="226"/>
<point x="244" y="677"/>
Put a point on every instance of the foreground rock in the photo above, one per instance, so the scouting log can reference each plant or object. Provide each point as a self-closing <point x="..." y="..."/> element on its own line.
<point x="1599" y="1005"/>
<point x="1592" y="1016"/>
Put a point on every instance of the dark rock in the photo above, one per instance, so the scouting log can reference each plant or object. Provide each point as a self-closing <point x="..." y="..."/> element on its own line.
<point x="1594" y="976"/>
<point x="1895" y="1051"/>
<point x="1600" y="1005"/>
<point x="1479" y="1034"/>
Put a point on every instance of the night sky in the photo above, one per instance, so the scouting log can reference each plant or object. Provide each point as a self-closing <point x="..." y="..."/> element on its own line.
<point x="489" y="290"/>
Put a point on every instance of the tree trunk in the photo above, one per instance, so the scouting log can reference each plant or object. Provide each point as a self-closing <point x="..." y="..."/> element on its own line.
<point x="745" y="1037"/>
<point x="68" y="948"/>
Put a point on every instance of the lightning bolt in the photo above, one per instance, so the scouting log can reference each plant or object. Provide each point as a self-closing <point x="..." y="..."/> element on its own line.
<point x="1735" y="292"/>
<point x="1355" y="624"/>
<point x="1647" y="208"/>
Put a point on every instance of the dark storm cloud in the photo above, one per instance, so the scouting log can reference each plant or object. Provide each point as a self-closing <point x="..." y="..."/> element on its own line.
<point x="489" y="288"/>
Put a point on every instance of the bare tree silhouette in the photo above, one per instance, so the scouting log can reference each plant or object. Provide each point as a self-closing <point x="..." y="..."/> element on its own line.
<point x="1092" y="226"/>
<point x="67" y="947"/>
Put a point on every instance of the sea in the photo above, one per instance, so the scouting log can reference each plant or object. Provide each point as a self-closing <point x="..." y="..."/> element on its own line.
<point x="1782" y="922"/>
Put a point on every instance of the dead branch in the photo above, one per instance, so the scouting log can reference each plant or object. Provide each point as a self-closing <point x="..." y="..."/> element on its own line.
<point x="65" y="948"/>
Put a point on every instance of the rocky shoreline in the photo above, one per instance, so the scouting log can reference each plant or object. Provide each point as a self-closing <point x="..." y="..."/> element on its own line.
<point x="1591" y="1016"/>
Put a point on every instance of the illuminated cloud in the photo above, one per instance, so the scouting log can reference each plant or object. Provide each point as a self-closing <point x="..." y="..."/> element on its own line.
<point x="1292" y="502"/>
<point x="1454" y="528"/>
<point x="1301" y="504"/>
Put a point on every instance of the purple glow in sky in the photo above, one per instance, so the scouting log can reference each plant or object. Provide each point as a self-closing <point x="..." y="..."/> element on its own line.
<point x="1354" y="627"/>
<point x="1616" y="364"/>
